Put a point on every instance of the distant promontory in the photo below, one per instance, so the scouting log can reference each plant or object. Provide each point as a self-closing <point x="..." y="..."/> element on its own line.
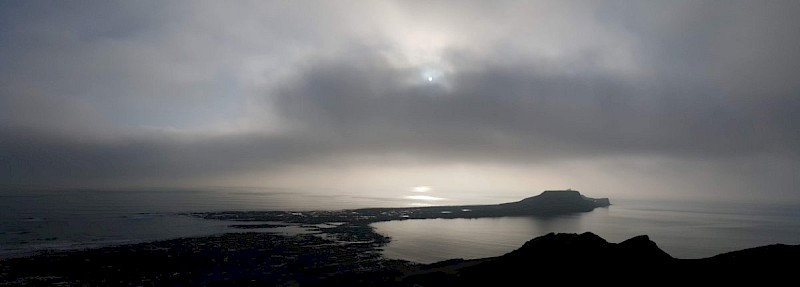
<point x="549" y="202"/>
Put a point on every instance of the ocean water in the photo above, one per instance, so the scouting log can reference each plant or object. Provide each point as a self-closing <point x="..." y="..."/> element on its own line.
<point x="32" y="220"/>
<point x="684" y="230"/>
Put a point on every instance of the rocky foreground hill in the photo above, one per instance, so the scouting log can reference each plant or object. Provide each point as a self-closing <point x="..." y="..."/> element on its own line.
<point x="586" y="258"/>
<point x="262" y="259"/>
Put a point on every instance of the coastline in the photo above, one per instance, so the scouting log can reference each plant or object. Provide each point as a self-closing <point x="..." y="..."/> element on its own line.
<point x="260" y="258"/>
<point x="341" y="240"/>
<point x="332" y="248"/>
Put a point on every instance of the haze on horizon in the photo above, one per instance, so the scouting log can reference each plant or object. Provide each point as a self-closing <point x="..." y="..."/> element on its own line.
<point x="693" y="100"/>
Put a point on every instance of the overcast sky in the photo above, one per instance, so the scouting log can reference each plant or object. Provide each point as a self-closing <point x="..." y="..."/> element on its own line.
<point x="661" y="99"/>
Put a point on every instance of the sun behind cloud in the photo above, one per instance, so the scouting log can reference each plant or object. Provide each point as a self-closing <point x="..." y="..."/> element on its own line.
<point x="422" y="188"/>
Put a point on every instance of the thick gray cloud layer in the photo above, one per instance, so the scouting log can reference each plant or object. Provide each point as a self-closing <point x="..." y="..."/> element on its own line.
<point x="686" y="98"/>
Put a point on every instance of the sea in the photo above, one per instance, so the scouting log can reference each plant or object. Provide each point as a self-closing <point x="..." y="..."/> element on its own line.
<point x="37" y="220"/>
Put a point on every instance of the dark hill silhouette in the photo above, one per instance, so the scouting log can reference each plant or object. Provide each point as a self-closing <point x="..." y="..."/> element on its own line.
<point x="587" y="258"/>
<point x="554" y="201"/>
<point x="550" y="202"/>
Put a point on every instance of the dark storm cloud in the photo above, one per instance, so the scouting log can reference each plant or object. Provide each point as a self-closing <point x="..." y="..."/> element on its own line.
<point x="523" y="108"/>
<point x="114" y="94"/>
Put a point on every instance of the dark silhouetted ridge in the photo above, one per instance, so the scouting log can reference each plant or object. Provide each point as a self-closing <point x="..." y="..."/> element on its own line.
<point x="555" y="202"/>
<point x="550" y="202"/>
<point x="588" y="259"/>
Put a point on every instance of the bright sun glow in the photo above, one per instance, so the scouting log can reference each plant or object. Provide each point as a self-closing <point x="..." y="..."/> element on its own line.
<point x="421" y="189"/>
<point x="431" y="75"/>
<point x="424" y="197"/>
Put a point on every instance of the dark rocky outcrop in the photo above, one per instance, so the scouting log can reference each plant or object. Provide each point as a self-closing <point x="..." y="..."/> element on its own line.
<point x="554" y="202"/>
<point x="588" y="259"/>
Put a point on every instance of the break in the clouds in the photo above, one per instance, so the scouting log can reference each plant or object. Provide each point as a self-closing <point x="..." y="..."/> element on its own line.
<point x="665" y="99"/>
